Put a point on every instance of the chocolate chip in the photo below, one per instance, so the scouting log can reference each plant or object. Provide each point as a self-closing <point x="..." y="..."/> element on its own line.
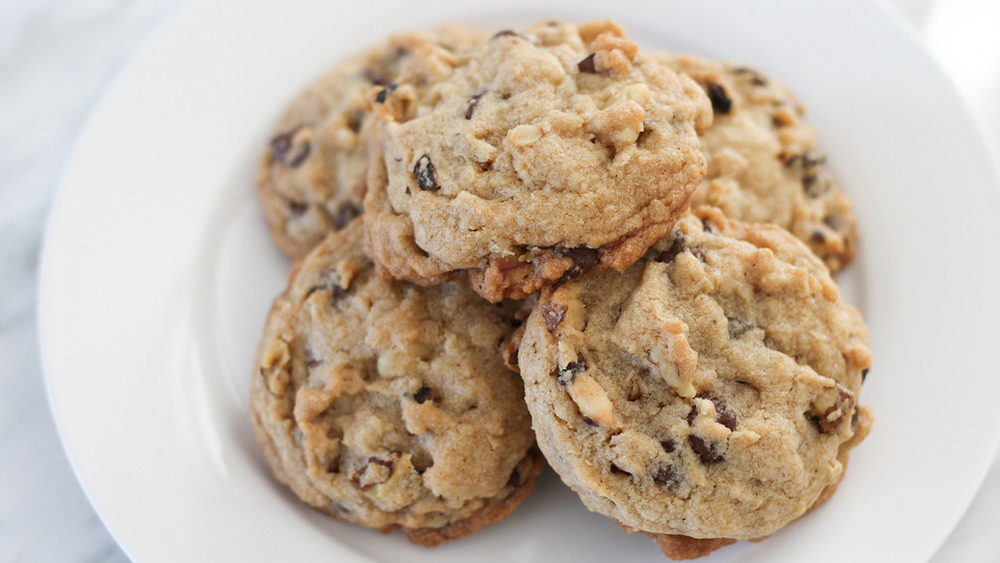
<point x="812" y="159"/>
<point x="587" y="65"/>
<point x="738" y="327"/>
<point x="422" y="395"/>
<point x="584" y="258"/>
<point x="375" y="76"/>
<point x="313" y="362"/>
<point x="345" y="213"/>
<point x="505" y="33"/>
<point x="817" y="236"/>
<point x="665" y="475"/>
<point x="510" y="357"/>
<point x="675" y="248"/>
<point x="473" y="102"/>
<point x="338" y="293"/>
<point x="297" y="208"/>
<point x="333" y="466"/>
<point x="301" y="156"/>
<point x="354" y="120"/>
<point x="282" y="149"/>
<point x="389" y="88"/>
<point x="567" y="374"/>
<point x="329" y="281"/>
<point x="706" y="452"/>
<point x="590" y="421"/>
<point x="721" y="101"/>
<point x="723" y="414"/>
<point x="280" y="145"/>
<point x="553" y="315"/>
<point x="864" y="374"/>
<point x="698" y="252"/>
<point x="424" y="170"/>
<point x="669" y="445"/>
<point x="615" y="470"/>
<point x="835" y="222"/>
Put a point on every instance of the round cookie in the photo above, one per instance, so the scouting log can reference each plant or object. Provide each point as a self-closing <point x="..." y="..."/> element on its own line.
<point x="708" y="394"/>
<point x="763" y="164"/>
<point x="312" y="175"/>
<point x="541" y="155"/>
<point x="387" y="404"/>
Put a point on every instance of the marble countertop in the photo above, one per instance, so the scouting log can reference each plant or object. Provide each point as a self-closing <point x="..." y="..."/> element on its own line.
<point x="56" y="57"/>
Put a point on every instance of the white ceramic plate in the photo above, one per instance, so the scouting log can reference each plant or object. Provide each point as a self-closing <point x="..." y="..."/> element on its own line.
<point x="158" y="272"/>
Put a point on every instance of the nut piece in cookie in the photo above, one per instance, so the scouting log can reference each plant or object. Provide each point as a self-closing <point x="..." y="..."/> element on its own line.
<point x="707" y="394"/>
<point x="530" y="159"/>
<point x="369" y="396"/>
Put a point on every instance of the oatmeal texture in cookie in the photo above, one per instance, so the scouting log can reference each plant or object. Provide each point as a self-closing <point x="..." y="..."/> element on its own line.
<point x="708" y="394"/>
<point x="312" y="174"/>
<point x="387" y="404"/>
<point x="763" y="162"/>
<point x="537" y="156"/>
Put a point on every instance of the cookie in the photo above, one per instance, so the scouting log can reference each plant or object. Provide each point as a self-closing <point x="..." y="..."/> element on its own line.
<point x="709" y="393"/>
<point x="387" y="404"/>
<point x="763" y="162"/>
<point x="312" y="174"/>
<point x="541" y="155"/>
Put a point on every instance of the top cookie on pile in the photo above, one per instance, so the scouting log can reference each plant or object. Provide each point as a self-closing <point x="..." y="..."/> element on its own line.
<point x="535" y="156"/>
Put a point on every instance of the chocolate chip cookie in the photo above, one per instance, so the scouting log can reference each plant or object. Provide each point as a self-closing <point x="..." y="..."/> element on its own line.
<point x="387" y="404"/>
<point x="706" y="395"/>
<point x="763" y="162"/>
<point x="312" y="175"/>
<point x="542" y="154"/>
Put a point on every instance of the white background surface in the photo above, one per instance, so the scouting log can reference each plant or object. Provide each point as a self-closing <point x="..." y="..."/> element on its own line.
<point x="57" y="56"/>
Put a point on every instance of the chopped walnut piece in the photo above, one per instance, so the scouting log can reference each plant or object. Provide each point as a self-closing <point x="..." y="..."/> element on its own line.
<point x="830" y="408"/>
<point x="591" y="398"/>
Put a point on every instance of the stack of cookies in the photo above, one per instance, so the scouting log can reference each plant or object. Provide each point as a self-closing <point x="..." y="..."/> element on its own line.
<point x="547" y="246"/>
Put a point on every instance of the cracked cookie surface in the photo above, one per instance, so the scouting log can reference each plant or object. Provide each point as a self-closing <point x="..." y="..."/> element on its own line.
<point x="710" y="391"/>
<point x="387" y="404"/>
<point x="763" y="162"/>
<point x="312" y="175"/>
<point x="537" y="156"/>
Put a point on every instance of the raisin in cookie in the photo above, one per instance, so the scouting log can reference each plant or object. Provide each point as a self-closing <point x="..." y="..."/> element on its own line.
<point x="543" y="154"/>
<point x="312" y="176"/>
<point x="387" y="404"/>
<point x="708" y="394"/>
<point x="763" y="164"/>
